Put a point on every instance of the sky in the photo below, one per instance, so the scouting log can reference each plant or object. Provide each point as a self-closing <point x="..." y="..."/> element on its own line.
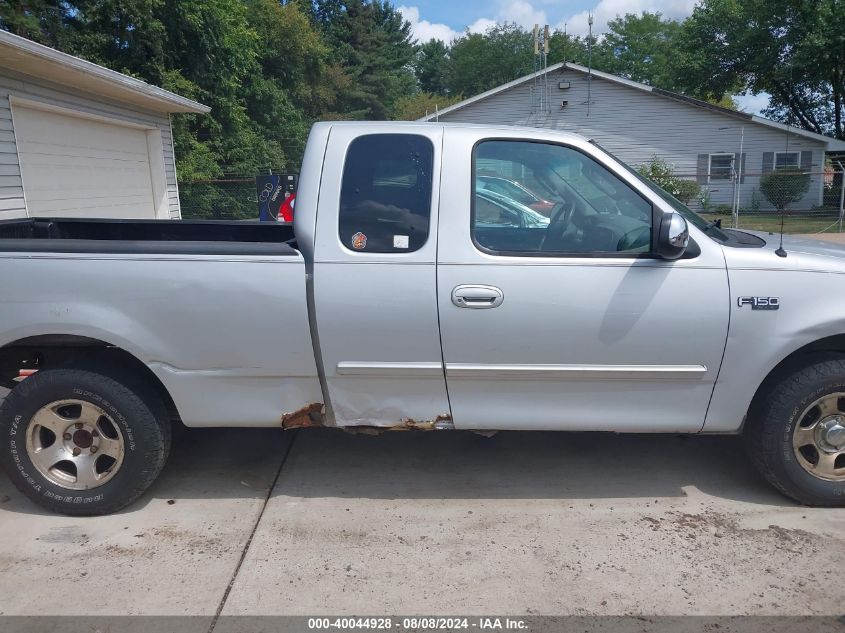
<point x="447" y="19"/>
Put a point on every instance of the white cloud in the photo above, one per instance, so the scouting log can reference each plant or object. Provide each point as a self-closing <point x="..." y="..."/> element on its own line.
<point x="524" y="13"/>
<point x="753" y="104"/>
<point x="481" y="25"/>
<point x="521" y="12"/>
<point x="606" y="10"/>
<point x="424" y="30"/>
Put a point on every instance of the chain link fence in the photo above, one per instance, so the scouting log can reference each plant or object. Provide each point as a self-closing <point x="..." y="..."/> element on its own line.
<point x="223" y="199"/>
<point x="810" y="202"/>
<point x="806" y="201"/>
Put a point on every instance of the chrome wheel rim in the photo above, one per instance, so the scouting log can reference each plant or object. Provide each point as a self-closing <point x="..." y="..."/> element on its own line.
<point x="74" y="444"/>
<point x="819" y="438"/>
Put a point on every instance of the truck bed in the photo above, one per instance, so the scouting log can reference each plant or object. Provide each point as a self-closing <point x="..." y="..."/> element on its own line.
<point x="209" y="307"/>
<point x="146" y="236"/>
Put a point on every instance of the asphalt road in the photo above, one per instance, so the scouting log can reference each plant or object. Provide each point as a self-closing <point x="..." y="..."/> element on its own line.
<point x="321" y="521"/>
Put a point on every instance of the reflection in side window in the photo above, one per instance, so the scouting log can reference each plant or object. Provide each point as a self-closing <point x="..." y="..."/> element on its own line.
<point x="535" y="198"/>
<point x="385" y="196"/>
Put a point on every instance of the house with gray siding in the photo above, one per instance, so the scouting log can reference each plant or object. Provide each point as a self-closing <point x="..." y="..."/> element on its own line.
<point x="725" y="151"/>
<point x="79" y="140"/>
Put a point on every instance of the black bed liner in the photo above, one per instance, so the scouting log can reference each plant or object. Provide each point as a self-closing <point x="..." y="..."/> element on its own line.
<point x="200" y="237"/>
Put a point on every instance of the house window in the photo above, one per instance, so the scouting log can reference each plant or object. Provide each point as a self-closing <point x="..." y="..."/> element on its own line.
<point x="721" y="166"/>
<point x="787" y="160"/>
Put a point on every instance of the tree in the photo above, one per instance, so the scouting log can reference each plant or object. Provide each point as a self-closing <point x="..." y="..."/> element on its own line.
<point x="298" y="81"/>
<point x="416" y="106"/>
<point x="293" y="54"/>
<point x="564" y="47"/>
<point x="374" y="45"/>
<point x="727" y="101"/>
<point x="641" y="48"/>
<point x="663" y="175"/>
<point x="43" y="21"/>
<point x="212" y="45"/>
<point x="432" y="67"/>
<point x="125" y="35"/>
<point x="483" y="61"/>
<point x="793" y="50"/>
<point x="782" y="187"/>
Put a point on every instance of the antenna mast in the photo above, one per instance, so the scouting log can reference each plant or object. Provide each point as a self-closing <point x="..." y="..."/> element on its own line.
<point x="563" y="51"/>
<point x="535" y="97"/>
<point x="545" y="68"/>
<point x="589" y="61"/>
<point x="541" y="100"/>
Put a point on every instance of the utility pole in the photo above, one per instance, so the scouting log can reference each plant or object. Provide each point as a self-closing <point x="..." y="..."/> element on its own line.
<point x="841" y="193"/>
<point x="738" y="168"/>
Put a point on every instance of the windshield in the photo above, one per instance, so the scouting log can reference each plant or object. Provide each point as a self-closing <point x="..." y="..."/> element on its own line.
<point x="689" y="215"/>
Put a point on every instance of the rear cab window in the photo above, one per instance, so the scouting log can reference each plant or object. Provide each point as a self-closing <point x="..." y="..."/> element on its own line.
<point x="385" y="196"/>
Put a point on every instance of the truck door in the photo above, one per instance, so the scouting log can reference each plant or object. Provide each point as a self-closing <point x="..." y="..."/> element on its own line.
<point x="567" y="320"/>
<point x="375" y="276"/>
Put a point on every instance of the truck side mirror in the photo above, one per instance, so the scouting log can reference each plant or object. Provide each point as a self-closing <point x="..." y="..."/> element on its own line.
<point x="673" y="236"/>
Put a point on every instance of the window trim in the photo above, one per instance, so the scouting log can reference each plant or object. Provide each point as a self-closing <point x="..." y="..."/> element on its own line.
<point x="797" y="161"/>
<point x="655" y="212"/>
<point x="731" y="172"/>
<point x="431" y="197"/>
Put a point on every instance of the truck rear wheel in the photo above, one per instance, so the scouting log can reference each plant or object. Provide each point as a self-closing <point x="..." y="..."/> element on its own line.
<point x="81" y="443"/>
<point x="795" y="434"/>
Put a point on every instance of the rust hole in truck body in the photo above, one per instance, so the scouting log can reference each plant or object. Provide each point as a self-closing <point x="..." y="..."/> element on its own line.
<point x="441" y="422"/>
<point x="311" y="416"/>
<point x="308" y="416"/>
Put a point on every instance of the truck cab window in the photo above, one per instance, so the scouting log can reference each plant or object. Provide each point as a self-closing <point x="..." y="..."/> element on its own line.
<point x="558" y="201"/>
<point x="385" y="196"/>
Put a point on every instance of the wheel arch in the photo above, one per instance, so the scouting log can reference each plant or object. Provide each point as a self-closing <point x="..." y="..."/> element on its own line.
<point x="80" y="352"/>
<point x="821" y="349"/>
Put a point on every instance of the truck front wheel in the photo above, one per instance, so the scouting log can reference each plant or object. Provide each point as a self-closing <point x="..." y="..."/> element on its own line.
<point x="795" y="434"/>
<point x="81" y="443"/>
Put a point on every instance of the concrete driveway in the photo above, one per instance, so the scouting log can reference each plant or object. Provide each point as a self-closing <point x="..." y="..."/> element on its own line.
<point x="324" y="522"/>
<point x="836" y="238"/>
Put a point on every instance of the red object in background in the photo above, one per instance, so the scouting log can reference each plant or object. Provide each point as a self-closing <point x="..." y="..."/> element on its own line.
<point x="286" y="209"/>
<point x="542" y="206"/>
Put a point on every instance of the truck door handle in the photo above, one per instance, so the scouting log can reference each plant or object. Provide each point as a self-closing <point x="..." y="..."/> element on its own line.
<point x="476" y="296"/>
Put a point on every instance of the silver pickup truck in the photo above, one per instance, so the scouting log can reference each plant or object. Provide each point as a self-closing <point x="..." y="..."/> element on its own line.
<point x="415" y="292"/>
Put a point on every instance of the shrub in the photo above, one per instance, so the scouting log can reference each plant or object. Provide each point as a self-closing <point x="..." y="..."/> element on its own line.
<point x="704" y="199"/>
<point x="663" y="175"/>
<point x="784" y="186"/>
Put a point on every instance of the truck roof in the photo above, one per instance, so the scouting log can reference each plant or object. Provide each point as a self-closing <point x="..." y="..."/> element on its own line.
<point x="467" y="126"/>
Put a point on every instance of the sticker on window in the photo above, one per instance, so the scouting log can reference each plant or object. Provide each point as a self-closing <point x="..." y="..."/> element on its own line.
<point x="359" y="241"/>
<point x="400" y="241"/>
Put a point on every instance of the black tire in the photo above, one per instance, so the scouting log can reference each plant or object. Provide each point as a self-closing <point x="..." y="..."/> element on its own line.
<point x="772" y="421"/>
<point x="137" y="412"/>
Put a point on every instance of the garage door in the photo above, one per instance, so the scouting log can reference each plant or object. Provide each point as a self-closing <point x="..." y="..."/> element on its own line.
<point x="78" y="167"/>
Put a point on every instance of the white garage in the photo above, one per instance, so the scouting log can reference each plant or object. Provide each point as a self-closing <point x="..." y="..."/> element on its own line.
<point x="79" y="140"/>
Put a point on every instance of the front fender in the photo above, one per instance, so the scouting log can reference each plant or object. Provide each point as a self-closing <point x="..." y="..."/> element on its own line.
<point x="810" y="309"/>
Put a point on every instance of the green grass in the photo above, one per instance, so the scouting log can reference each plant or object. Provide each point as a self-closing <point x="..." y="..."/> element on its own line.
<point x="797" y="223"/>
